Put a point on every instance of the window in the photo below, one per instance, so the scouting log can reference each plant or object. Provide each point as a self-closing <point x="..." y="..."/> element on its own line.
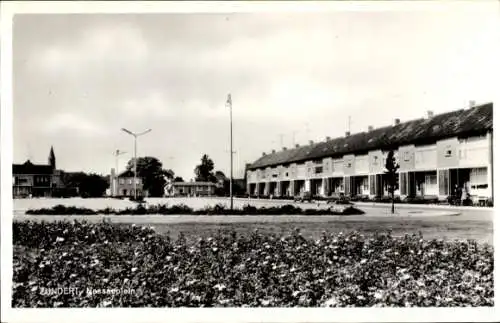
<point x="404" y="183"/>
<point x="479" y="178"/>
<point x="286" y="174"/>
<point x="444" y="177"/>
<point x="373" y="183"/>
<point x="318" y="170"/>
<point x="418" y="157"/>
<point x="365" y="184"/>
<point x="447" y="152"/>
<point x="406" y="156"/>
<point x="375" y="160"/>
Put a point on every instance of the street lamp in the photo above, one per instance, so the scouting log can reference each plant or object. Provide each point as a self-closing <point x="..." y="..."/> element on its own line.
<point x="135" y="135"/>
<point x="117" y="154"/>
<point x="229" y="103"/>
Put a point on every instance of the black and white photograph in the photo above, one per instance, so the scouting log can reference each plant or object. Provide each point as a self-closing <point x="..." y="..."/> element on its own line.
<point x="249" y="156"/>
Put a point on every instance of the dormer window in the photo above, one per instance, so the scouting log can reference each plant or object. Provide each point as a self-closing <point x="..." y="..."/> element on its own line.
<point x="447" y="153"/>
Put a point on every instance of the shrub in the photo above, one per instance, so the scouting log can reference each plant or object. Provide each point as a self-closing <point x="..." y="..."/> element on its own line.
<point x="218" y="209"/>
<point x="254" y="269"/>
<point x="62" y="210"/>
<point x="249" y="209"/>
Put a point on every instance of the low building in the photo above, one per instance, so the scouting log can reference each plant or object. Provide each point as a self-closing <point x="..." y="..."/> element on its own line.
<point x="36" y="180"/>
<point x="194" y="188"/>
<point x="436" y="154"/>
<point x="124" y="184"/>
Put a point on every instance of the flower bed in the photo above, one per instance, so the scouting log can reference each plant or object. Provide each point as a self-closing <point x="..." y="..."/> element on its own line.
<point x="248" y="270"/>
<point x="184" y="209"/>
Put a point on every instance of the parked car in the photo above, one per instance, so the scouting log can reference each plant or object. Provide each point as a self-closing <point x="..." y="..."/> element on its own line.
<point x="304" y="197"/>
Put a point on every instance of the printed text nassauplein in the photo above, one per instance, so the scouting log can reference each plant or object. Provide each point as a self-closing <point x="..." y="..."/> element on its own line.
<point x="85" y="291"/>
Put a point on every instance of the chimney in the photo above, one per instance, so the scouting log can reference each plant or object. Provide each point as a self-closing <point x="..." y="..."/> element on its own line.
<point x="284" y="148"/>
<point x="347" y="133"/>
<point x="472" y="104"/>
<point x="297" y="145"/>
<point x="264" y="153"/>
<point x="430" y="114"/>
<point x="273" y="151"/>
<point x="397" y="121"/>
<point x="328" y="138"/>
<point x="370" y="128"/>
<point x="311" y="142"/>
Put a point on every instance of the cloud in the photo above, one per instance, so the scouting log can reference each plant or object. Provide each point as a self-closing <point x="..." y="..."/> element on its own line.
<point x="80" y="75"/>
<point x="98" y="45"/>
<point x="73" y="123"/>
<point x="152" y="104"/>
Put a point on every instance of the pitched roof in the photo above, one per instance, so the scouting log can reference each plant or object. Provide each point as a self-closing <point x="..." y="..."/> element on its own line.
<point x="193" y="183"/>
<point x="32" y="169"/>
<point x="477" y="120"/>
<point x="127" y="173"/>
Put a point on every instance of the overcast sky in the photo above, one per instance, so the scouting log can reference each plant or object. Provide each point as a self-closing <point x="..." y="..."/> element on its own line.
<point x="78" y="79"/>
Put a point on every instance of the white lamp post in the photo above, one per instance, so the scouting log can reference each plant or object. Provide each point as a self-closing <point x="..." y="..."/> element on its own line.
<point x="135" y="135"/>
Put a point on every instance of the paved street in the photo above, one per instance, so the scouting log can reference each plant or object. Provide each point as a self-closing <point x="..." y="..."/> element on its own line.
<point x="432" y="221"/>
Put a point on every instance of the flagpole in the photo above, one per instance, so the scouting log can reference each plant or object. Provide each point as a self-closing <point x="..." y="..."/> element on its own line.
<point x="229" y="101"/>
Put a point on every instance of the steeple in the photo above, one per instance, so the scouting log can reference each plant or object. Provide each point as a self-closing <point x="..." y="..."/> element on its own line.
<point x="52" y="158"/>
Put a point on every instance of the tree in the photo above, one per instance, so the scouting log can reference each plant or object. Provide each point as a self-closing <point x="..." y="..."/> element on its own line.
<point x="178" y="179"/>
<point x="87" y="185"/>
<point x="391" y="167"/>
<point x="205" y="171"/>
<point x="220" y="174"/>
<point x="150" y="169"/>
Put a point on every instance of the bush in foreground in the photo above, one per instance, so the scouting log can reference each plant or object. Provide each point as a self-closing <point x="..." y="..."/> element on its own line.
<point x="218" y="209"/>
<point x="252" y="270"/>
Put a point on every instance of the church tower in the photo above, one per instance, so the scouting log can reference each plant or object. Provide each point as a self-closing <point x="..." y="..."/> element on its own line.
<point x="52" y="158"/>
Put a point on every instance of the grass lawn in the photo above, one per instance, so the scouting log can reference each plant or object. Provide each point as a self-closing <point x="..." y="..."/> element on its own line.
<point x="440" y="227"/>
<point x="430" y="229"/>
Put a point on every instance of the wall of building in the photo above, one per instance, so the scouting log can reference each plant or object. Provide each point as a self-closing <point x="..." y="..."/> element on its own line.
<point x="434" y="162"/>
<point x="127" y="183"/>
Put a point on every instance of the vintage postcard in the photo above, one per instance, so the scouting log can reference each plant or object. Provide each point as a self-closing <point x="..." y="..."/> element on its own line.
<point x="248" y="161"/>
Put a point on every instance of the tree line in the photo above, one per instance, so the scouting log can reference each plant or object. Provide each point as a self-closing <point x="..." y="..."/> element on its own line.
<point x="153" y="174"/>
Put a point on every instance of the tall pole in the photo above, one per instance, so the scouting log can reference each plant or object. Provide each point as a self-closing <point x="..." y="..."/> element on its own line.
<point x="230" y="103"/>
<point x="115" y="180"/>
<point x="135" y="135"/>
<point x="135" y="167"/>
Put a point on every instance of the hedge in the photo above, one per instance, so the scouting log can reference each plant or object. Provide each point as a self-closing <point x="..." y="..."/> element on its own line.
<point x="218" y="209"/>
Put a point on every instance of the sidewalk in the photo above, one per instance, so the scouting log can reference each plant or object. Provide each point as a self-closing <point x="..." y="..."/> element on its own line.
<point x="373" y="204"/>
<point x="426" y="206"/>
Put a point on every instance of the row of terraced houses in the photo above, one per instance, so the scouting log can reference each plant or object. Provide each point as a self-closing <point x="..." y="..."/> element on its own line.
<point x="436" y="155"/>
